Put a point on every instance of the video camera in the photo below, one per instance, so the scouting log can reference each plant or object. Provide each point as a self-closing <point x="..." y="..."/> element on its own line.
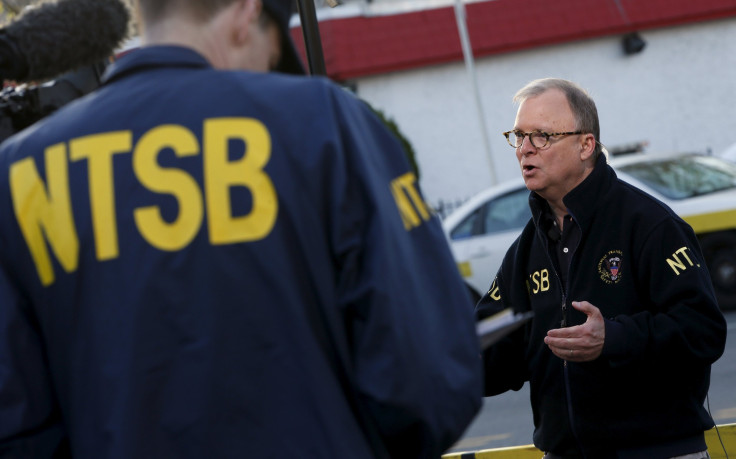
<point x="57" y="52"/>
<point x="21" y="106"/>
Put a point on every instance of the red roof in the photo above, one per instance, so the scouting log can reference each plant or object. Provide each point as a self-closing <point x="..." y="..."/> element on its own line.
<point x="358" y="46"/>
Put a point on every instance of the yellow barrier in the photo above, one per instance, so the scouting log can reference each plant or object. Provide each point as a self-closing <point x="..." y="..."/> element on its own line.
<point x="727" y="436"/>
<point x="725" y="433"/>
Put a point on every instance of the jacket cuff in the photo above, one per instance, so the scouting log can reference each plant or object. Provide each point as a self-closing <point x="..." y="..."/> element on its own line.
<point x="615" y="340"/>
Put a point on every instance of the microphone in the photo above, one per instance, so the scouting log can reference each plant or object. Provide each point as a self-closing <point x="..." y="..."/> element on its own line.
<point x="54" y="38"/>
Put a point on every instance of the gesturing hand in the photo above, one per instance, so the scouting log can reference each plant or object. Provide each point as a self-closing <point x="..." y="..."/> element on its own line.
<point x="581" y="343"/>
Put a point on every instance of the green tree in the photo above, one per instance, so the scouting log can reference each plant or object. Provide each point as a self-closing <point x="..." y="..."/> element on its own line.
<point x="393" y="127"/>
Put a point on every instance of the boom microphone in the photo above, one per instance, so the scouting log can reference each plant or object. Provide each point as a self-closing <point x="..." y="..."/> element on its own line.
<point x="51" y="39"/>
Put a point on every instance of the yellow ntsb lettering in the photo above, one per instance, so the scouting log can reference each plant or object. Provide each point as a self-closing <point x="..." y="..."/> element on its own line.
<point x="540" y="280"/>
<point x="678" y="264"/>
<point x="412" y="208"/>
<point x="152" y="226"/>
<point x="494" y="293"/>
<point x="98" y="151"/>
<point x="222" y="174"/>
<point x="45" y="211"/>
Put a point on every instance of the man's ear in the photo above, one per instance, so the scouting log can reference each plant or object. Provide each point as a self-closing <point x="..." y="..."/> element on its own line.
<point x="245" y="15"/>
<point x="587" y="146"/>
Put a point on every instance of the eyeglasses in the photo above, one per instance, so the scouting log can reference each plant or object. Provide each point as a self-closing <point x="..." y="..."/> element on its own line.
<point x="539" y="139"/>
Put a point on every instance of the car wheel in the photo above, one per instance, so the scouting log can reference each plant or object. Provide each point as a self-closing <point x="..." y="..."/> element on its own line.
<point x="720" y="256"/>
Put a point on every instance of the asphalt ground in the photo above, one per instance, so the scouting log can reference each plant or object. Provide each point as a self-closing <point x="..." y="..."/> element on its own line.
<point x="506" y="419"/>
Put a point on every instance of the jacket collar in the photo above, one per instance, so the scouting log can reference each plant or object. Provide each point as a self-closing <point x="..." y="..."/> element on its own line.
<point x="152" y="57"/>
<point x="583" y="200"/>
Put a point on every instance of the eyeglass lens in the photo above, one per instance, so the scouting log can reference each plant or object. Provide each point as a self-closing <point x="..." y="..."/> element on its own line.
<point x="538" y="139"/>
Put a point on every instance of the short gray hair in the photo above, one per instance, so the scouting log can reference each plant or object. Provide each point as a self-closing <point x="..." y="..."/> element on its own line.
<point x="582" y="105"/>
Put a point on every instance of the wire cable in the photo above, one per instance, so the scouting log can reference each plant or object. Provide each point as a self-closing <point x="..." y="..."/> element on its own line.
<point x="718" y="432"/>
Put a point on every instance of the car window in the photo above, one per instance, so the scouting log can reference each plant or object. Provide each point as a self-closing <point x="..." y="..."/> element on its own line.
<point x="686" y="176"/>
<point x="502" y="213"/>
<point x="507" y="212"/>
<point x="467" y="227"/>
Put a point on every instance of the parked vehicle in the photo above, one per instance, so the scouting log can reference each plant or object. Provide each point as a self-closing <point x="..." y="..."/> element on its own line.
<point x="728" y="154"/>
<point x="701" y="189"/>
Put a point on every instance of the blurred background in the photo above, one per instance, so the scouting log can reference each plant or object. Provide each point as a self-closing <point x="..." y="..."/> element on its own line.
<point x="662" y="72"/>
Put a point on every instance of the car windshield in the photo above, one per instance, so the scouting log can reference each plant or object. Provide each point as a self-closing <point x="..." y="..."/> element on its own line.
<point x="685" y="176"/>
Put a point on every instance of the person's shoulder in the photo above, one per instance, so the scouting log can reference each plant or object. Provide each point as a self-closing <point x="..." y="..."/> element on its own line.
<point x="641" y="207"/>
<point x="48" y="135"/>
<point x="299" y="93"/>
<point x="277" y="82"/>
<point x="13" y="149"/>
<point x="640" y="197"/>
<point x="21" y="142"/>
<point x="318" y="86"/>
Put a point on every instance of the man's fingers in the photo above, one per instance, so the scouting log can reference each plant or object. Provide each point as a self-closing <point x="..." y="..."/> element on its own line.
<point x="576" y="341"/>
<point x="572" y="355"/>
<point x="584" y="307"/>
<point x="561" y="343"/>
<point x="567" y="332"/>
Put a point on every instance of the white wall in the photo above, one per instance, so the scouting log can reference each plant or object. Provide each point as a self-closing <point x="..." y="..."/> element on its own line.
<point x="679" y="94"/>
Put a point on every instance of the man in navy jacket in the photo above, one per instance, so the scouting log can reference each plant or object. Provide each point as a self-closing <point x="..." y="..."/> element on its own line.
<point x="199" y="261"/>
<point x="626" y="325"/>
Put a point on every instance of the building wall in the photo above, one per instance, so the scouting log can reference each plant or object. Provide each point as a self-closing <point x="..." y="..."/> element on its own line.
<point x="679" y="94"/>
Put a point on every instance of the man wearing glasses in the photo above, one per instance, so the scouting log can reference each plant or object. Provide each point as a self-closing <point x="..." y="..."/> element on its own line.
<point x="618" y="355"/>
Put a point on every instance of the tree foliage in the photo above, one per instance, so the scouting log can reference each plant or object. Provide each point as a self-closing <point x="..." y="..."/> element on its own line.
<point x="393" y="127"/>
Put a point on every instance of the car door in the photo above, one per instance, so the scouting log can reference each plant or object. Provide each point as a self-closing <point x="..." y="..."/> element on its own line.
<point x="481" y="239"/>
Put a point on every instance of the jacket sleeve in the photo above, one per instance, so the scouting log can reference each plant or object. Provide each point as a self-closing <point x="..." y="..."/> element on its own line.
<point x="29" y="423"/>
<point x="504" y="363"/>
<point x="415" y="358"/>
<point x="682" y="323"/>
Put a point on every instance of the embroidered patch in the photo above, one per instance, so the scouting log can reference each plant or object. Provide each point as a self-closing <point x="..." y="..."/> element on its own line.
<point x="609" y="267"/>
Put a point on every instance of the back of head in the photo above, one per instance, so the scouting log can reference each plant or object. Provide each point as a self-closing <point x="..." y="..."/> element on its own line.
<point x="152" y="11"/>
<point x="279" y="11"/>
<point x="582" y="105"/>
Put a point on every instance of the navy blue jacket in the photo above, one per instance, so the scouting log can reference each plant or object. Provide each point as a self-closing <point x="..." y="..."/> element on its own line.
<point x="203" y="263"/>
<point x="641" y="265"/>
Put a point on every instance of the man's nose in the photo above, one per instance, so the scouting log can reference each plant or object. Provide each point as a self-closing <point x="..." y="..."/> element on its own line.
<point x="527" y="147"/>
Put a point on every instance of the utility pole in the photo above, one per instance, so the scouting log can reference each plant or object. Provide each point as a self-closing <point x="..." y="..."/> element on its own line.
<point x="462" y="27"/>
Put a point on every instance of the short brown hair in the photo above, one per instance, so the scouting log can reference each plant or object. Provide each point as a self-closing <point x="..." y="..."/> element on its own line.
<point x="154" y="10"/>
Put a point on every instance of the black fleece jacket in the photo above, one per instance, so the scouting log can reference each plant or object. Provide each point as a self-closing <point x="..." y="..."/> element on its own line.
<point x="642" y="266"/>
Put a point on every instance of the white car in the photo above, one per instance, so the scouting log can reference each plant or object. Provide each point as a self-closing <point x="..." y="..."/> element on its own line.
<point x="701" y="189"/>
<point x="729" y="153"/>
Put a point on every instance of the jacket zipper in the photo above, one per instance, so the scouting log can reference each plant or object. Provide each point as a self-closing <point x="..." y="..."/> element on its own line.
<point x="563" y="324"/>
<point x="566" y="373"/>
